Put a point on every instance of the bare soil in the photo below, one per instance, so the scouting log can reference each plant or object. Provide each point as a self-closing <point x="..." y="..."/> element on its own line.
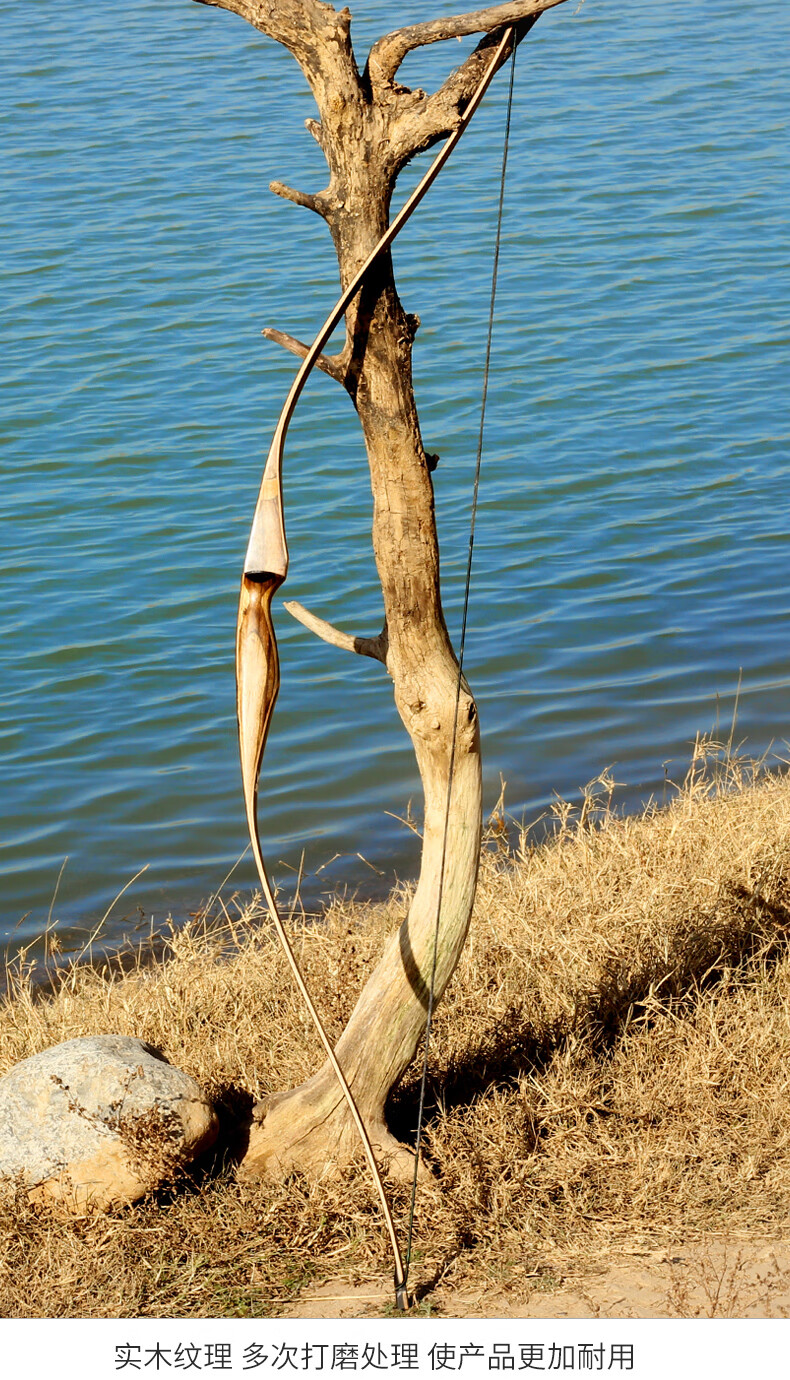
<point x="716" y="1279"/>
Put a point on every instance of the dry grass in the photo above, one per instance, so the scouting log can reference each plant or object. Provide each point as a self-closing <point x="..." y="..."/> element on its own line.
<point x="610" y="1064"/>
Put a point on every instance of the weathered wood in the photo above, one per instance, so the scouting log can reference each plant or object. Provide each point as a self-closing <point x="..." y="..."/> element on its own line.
<point x="375" y="647"/>
<point x="369" y="128"/>
<point x="388" y="53"/>
<point x="333" y="365"/>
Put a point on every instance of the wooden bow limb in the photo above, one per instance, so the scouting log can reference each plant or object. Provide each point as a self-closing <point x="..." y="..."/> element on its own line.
<point x="265" y="569"/>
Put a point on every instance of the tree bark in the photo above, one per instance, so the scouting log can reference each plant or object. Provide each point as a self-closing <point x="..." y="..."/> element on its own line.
<point x="369" y="129"/>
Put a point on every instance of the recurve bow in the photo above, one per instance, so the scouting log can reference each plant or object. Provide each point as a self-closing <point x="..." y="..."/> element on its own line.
<point x="265" y="569"/>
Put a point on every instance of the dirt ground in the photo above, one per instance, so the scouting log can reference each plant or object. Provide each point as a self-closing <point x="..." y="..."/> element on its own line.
<point x="716" y="1279"/>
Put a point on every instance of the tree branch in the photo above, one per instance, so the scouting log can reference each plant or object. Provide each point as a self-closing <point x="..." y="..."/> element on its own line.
<point x="312" y="201"/>
<point x="375" y="647"/>
<point x="288" y="22"/>
<point x="336" y="366"/>
<point x="422" y="124"/>
<point x="388" y="53"/>
<point x="315" y="33"/>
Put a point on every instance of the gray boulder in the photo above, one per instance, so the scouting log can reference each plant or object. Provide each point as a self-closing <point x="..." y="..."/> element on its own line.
<point x="99" y="1120"/>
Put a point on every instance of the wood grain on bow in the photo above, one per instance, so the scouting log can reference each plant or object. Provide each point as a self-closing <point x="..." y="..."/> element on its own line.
<point x="265" y="569"/>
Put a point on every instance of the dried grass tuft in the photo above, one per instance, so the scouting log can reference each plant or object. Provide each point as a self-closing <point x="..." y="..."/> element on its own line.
<point x="610" y="1063"/>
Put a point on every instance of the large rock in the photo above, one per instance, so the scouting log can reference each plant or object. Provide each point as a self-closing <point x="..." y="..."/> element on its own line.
<point x="99" y="1120"/>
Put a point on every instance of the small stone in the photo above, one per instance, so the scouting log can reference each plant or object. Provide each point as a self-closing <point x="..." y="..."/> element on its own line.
<point x="99" y="1120"/>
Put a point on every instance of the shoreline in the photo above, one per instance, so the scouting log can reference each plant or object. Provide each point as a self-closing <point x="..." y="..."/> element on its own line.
<point x="607" y="1074"/>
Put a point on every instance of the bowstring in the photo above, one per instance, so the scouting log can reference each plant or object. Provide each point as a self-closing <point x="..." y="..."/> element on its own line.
<point x="461" y="647"/>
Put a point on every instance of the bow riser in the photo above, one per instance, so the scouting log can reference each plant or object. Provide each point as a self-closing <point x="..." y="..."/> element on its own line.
<point x="257" y="682"/>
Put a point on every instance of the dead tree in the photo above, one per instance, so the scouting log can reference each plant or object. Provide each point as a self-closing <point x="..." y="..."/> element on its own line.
<point x="370" y="127"/>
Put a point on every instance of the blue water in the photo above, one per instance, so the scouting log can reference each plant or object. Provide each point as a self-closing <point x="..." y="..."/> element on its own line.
<point x="632" y="548"/>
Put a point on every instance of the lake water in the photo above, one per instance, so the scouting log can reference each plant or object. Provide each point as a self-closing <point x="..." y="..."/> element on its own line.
<point x="632" y="548"/>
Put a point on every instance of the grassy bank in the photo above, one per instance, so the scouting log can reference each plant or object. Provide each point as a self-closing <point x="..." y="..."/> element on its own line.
<point x="610" y="1065"/>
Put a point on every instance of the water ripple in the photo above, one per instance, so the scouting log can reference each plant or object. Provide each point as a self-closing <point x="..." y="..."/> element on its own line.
<point x="630" y="545"/>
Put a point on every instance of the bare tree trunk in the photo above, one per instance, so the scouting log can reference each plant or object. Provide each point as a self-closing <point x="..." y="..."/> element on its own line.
<point x="370" y="127"/>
